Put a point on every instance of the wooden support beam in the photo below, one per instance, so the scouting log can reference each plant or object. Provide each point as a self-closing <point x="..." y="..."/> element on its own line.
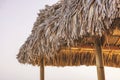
<point x="42" y="69"/>
<point x="99" y="59"/>
<point x="87" y="48"/>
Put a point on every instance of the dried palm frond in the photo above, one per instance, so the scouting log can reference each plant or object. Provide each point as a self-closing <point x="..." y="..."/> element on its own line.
<point x="66" y="22"/>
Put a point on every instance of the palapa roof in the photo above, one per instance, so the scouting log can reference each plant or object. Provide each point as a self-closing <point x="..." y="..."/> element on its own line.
<point x="63" y="33"/>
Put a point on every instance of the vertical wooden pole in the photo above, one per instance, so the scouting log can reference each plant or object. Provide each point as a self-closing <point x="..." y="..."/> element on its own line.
<point x="42" y="69"/>
<point x="99" y="59"/>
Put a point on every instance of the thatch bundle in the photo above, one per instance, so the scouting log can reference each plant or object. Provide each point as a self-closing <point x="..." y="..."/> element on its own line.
<point x="73" y="23"/>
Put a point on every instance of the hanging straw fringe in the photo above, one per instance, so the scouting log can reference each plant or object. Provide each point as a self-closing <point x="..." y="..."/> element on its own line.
<point x="65" y="23"/>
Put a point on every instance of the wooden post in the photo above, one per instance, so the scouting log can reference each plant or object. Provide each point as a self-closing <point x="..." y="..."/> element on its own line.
<point x="99" y="59"/>
<point x="42" y="69"/>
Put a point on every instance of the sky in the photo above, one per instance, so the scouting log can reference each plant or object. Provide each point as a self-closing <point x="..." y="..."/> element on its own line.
<point x="16" y="21"/>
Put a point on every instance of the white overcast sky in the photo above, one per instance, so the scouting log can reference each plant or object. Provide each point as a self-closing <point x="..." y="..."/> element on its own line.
<point x="16" y="21"/>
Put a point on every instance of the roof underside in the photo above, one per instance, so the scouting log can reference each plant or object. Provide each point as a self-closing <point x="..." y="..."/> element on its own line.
<point x="83" y="53"/>
<point x="64" y="33"/>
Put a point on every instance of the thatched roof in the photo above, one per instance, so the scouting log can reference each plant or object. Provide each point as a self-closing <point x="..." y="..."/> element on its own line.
<point x="63" y="33"/>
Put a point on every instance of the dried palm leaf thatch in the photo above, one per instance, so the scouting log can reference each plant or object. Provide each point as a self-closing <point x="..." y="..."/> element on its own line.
<point x="66" y="24"/>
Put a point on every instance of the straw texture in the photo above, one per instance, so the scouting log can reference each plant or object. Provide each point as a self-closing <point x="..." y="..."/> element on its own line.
<point x="67" y="24"/>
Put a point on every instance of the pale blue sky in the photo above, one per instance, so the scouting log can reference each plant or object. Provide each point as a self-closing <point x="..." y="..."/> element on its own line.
<point x="16" y="21"/>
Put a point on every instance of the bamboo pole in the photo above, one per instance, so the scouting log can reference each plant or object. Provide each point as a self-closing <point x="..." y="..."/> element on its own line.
<point x="99" y="59"/>
<point x="42" y="69"/>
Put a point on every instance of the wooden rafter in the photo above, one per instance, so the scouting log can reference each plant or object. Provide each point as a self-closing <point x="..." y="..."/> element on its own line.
<point x="87" y="48"/>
